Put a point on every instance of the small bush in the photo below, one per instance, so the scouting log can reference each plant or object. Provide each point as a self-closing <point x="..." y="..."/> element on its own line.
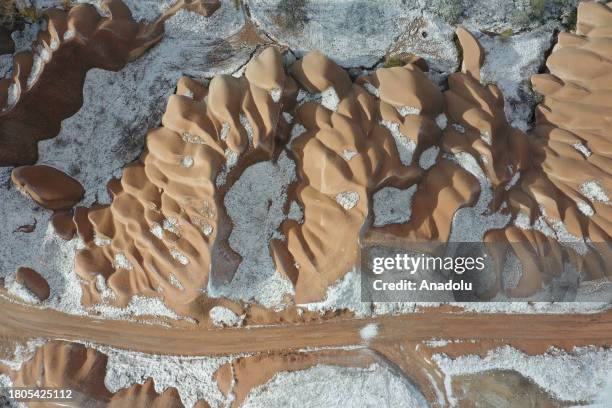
<point x="8" y="14"/>
<point x="393" y="61"/>
<point x="30" y="14"/>
<point x="291" y="14"/>
<point x="506" y="34"/>
<point x="538" y="7"/>
<point x="449" y="10"/>
<point x="571" y="19"/>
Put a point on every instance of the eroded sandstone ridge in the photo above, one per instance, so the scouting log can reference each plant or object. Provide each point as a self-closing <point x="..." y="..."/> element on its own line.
<point x="47" y="82"/>
<point x="167" y="227"/>
<point x="166" y="232"/>
<point x="563" y="195"/>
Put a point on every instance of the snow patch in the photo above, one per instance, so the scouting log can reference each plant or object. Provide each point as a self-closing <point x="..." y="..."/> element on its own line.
<point x="405" y="146"/>
<point x="121" y="261"/>
<point x="594" y="192"/>
<point x="471" y="223"/>
<point x="348" y="199"/>
<point x="392" y="205"/>
<point x="408" y="110"/>
<point x="296" y="131"/>
<point x="368" y="332"/>
<point x="429" y="157"/>
<point x="255" y="206"/>
<point x="371" y="89"/>
<point x="193" y="377"/>
<point x="585" y="208"/>
<point x="330" y="99"/>
<point x="246" y="124"/>
<point x="486" y="137"/>
<point x="515" y="178"/>
<point x="138" y="306"/>
<point x="187" y="162"/>
<point x="348" y="154"/>
<point x="442" y="121"/>
<point x="336" y="386"/>
<point x="224" y="317"/>
<point x="295" y="212"/>
<point x="276" y="94"/>
<point x="179" y="256"/>
<point x="458" y="127"/>
<point x="509" y="64"/>
<point x="586" y="152"/>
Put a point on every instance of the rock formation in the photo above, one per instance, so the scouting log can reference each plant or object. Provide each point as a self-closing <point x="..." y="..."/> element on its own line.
<point x="563" y="193"/>
<point x="35" y="283"/>
<point x="162" y="232"/>
<point x="49" y="187"/>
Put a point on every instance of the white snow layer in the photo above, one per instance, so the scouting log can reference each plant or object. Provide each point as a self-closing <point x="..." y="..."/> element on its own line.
<point x="222" y="316"/>
<point x="191" y="376"/>
<point x="392" y="205"/>
<point x="334" y="386"/>
<point x="255" y="205"/>
<point x="510" y="61"/>
<point x="368" y="332"/>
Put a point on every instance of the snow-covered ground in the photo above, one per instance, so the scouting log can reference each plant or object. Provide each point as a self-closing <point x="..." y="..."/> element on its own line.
<point x="580" y="376"/>
<point x="334" y="386"/>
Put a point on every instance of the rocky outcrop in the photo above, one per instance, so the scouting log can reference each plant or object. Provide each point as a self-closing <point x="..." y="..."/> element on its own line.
<point x="49" y="187"/>
<point x="564" y="194"/>
<point x="555" y="182"/>
<point x="35" y="283"/>
<point x="349" y="149"/>
<point x="7" y="46"/>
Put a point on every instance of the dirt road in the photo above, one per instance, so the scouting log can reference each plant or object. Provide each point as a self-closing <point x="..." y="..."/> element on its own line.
<point x="23" y="322"/>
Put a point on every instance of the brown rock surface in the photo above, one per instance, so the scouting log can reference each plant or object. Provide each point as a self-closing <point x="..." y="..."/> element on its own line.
<point x="145" y="396"/>
<point x="49" y="187"/>
<point x="35" y="283"/>
<point x="204" y="7"/>
<point x="7" y="46"/>
<point x="191" y="149"/>
<point x="473" y="54"/>
<point x="63" y="224"/>
<point x="171" y="194"/>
